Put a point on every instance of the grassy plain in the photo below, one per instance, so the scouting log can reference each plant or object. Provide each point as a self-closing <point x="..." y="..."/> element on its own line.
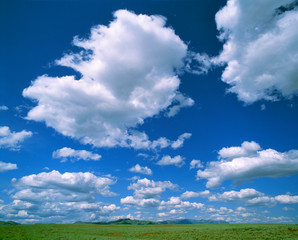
<point x="161" y="232"/>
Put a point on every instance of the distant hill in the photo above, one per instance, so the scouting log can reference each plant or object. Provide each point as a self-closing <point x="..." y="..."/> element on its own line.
<point x="127" y="221"/>
<point x="192" y="221"/>
<point x="9" y="223"/>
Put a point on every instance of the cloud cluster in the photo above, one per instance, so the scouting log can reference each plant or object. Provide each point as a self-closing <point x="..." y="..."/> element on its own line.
<point x="252" y="197"/>
<point x="191" y="194"/>
<point x="127" y="74"/>
<point x="247" y="162"/>
<point x="177" y="161"/>
<point x="56" y="197"/>
<point x="260" y="48"/>
<point x="147" y="193"/>
<point x="12" y="140"/>
<point x="139" y="169"/>
<point x="75" y="155"/>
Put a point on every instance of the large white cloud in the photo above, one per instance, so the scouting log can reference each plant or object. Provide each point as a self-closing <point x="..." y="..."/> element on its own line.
<point x="75" y="155"/>
<point x="247" y="162"/>
<point x="12" y="140"/>
<point x="260" y="49"/>
<point x="56" y="197"/>
<point x="127" y="75"/>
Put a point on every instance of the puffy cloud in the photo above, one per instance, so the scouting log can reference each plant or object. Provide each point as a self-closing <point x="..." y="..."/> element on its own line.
<point x="141" y="203"/>
<point x="56" y="197"/>
<point x="7" y="166"/>
<point x="127" y="75"/>
<point x="196" y="164"/>
<point x="12" y="140"/>
<point x="181" y="102"/>
<point x="242" y="195"/>
<point x="253" y="197"/>
<point x="75" y="155"/>
<point x="190" y="194"/>
<point x="260" y="48"/>
<point x="242" y="163"/>
<point x="177" y="161"/>
<point x="143" y="170"/>
<point x="76" y="182"/>
<point x="3" y="108"/>
<point x="287" y="199"/>
<point x="145" y="188"/>
<point x="176" y="203"/>
<point x="180" y="141"/>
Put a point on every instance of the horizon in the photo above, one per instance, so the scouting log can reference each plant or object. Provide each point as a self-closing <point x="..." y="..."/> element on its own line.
<point x="152" y="111"/>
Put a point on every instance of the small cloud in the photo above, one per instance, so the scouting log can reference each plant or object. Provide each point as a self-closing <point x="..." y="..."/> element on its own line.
<point x="177" y="161"/>
<point x="143" y="170"/>
<point x="196" y="164"/>
<point x="7" y="166"/>
<point x="3" y="108"/>
<point x="12" y="140"/>
<point x="75" y="155"/>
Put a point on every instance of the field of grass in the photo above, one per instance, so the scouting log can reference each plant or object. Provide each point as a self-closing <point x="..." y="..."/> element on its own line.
<point x="161" y="232"/>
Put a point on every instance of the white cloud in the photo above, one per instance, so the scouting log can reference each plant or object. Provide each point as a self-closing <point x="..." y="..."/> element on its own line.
<point x="176" y="203"/>
<point x="128" y="75"/>
<point x="180" y="141"/>
<point x="3" y="108"/>
<point x="260" y="48"/>
<point x="143" y="170"/>
<point x="7" y="166"/>
<point x="287" y="199"/>
<point x="145" y="188"/>
<point x="241" y="165"/>
<point x="56" y="197"/>
<point x="76" y="182"/>
<point x="242" y="195"/>
<point x="177" y="161"/>
<point x="12" y="140"/>
<point x="75" y="155"/>
<point x="181" y="102"/>
<point x="141" y="203"/>
<point x="196" y="164"/>
<point x="191" y="194"/>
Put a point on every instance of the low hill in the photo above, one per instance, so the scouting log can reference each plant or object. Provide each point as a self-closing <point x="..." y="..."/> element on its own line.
<point x="192" y="221"/>
<point x="127" y="221"/>
<point x="9" y="223"/>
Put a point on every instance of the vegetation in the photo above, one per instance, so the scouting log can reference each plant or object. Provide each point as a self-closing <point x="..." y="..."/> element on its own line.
<point x="162" y="231"/>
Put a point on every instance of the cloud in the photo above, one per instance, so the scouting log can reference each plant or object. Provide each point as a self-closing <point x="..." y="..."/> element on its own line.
<point x="231" y="196"/>
<point x="260" y="48"/>
<point x="252" y="197"/>
<point x="128" y="74"/>
<point x="76" y="182"/>
<point x="147" y="193"/>
<point x="177" y="161"/>
<point x="246" y="162"/>
<point x="7" y="166"/>
<point x="176" y="203"/>
<point x="12" y="140"/>
<point x="196" y="164"/>
<point x="3" y="108"/>
<point x="145" y="188"/>
<point x="56" y="197"/>
<point x="75" y="155"/>
<point x="190" y="194"/>
<point x="143" y="170"/>
<point x="181" y="102"/>
<point x="180" y="141"/>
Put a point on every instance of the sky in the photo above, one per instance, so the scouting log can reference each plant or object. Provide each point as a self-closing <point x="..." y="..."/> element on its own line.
<point x="149" y="110"/>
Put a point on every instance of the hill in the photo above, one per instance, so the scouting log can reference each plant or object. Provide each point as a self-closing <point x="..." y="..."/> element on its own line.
<point x="192" y="221"/>
<point x="9" y="223"/>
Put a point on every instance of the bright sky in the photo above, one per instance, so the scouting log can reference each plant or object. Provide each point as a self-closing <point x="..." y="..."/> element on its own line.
<point x="155" y="110"/>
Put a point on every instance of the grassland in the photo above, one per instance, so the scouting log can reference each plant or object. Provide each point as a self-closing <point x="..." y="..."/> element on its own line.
<point x="161" y="232"/>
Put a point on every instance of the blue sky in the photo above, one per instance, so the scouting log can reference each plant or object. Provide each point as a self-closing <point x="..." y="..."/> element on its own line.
<point x="149" y="110"/>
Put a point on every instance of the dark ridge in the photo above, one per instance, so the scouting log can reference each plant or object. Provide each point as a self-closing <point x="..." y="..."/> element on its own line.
<point x="9" y="223"/>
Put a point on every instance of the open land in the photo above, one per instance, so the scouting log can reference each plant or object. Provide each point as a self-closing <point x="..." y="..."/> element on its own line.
<point x="162" y="232"/>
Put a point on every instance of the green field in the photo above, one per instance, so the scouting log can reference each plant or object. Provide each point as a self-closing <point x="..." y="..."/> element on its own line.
<point x="162" y="232"/>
